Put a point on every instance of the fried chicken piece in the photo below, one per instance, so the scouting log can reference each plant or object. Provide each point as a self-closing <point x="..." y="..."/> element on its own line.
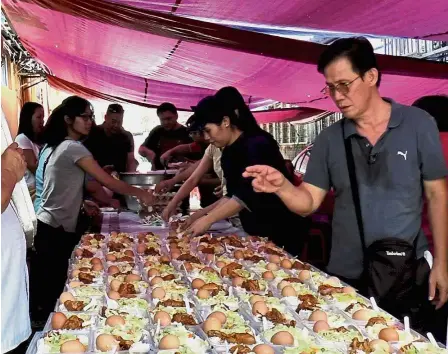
<point x="74" y="305"/>
<point x="86" y="253"/>
<point x="73" y="322"/>
<point x="125" y="259"/>
<point x="352" y="306"/>
<point x="189" y="258"/>
<point x="205" y="239"/>
<point x="208" y="250"/>
<point x="99" y="237"/>
<point x="301" y="266"/>
<point x="240" y="349"/>
<point x="86" y="278"/>
<point x="234" y="242"/>
<point x="293" y="280"/>
<point x="171" y="303"/>
<point x="84" y="269"/>
<point x="123" y="344"/>
<point x="376" y="320"/>
<point x="254" y="258"/>
<point x="115" y="246"/>
<point x="151" y="251"/>
<point x="251" y="285"/>
<point x="213" y="288"/>
<point x="357" y="345"/>
<point x="326" y="289"/>
<point x="126" y="289"/>
<point x="308" y="302"/>
<point x="184" y="318"/>
<point x="275" y="316"/>
<point x="273" y="252"/>
<point x="237" y="338"/>
<point x="169" y="277"/>
<point x="339" y="330"/>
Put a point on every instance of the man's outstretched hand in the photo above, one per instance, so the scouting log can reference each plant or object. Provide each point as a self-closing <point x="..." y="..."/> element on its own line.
<point x="266" y="179"/>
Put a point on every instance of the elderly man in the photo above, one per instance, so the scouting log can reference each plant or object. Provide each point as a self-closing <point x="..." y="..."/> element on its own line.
<point x="379" y="160"/>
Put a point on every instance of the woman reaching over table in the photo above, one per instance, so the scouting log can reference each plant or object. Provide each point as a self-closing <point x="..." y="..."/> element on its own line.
<point x="243" y="143"/>
<point x="63" y="165"/>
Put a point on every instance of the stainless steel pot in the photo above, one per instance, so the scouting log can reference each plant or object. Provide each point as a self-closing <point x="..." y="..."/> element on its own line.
<point x="143" y="180"/>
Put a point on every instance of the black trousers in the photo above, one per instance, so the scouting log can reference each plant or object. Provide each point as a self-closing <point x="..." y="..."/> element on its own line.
<point x="49" y="267"/>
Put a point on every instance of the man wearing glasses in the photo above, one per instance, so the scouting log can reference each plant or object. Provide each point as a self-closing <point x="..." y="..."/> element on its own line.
<point x="397" y="156"/>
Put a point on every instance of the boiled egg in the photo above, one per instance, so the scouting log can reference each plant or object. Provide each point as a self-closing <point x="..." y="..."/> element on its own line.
<point x="97" y="267"/>
<point x="218" y="315"/>
<point x="321" y="326"/>
<point x="111" y="257"/>
<point x="282" y="284"/>
<point x="164" y="259"/>
<point x="220" y="264"/>
<point x="203" y="294"/>
<point x="237" y="281"/>
<point x="255" y="298"/>
<point x="75" y="273"/>
<point x="153" y="272"/>
<point x="318" y="315"/>
<point x="113" y="295"/>
<point x="75" y="284"/>
<point x="271" y="266"/>
<point x="263" y="349"/>
<point x="304" y="275"/>
<point x="141" y="248"/>
<point x="286" y="263"/>
<point x="260" y="308"/>
<point x="288" y="291"/>
<point x="58" y="320"/>
<point x="273" y="258"/>
<point x="175" y="253"/>
<point x="212" y="324"/>
<point x="78" y="252"/>
<point x="348" y="290"/>
<point x="268" y="275"/>
<point x="72" y="346"/>
<point x="106" y="342"/>
<point x="169" y="342"/>
<point x="363" y="315"/>
<point x="156" y="280"/>
<point x="158" y="293"/>
<point x="66" y="296"/>
<point x="115" y="321"/>
<point x="115" y="285"/>
<point x="95" y="260"/>
<point x="113" y="270"/>
<point x="197" y="283"/>
<point x="163" y="317"/>
<point x="132" y="277"/>
<point x="389" y="335"/>
<point x="282" y="338"/>
<point x="129" y="253"/>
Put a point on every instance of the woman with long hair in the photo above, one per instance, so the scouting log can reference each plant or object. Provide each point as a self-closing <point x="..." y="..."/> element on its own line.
<point x="243" y="143"/>
<point x="63" y="165"/>
<point x="31" y="123"/>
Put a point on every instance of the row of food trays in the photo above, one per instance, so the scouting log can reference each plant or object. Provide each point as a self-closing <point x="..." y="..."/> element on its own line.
<point x="169" y="294"/>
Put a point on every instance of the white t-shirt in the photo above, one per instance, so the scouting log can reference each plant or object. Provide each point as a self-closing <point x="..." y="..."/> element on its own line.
<point x="26" y="144"/>
<point x="215" y="154"/>
<point x="15" y="323"/>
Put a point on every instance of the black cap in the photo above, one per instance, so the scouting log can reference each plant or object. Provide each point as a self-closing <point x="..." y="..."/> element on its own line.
<point x="115" y="108"/>
<point x="193" y="125"/>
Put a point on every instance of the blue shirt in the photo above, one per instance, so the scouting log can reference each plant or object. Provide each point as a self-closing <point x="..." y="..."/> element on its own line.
<point x="39" y="177"/>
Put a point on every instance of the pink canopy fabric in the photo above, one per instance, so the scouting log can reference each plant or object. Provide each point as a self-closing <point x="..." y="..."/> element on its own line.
<point x="149" y="57"/>
<point x="416" y="19"/>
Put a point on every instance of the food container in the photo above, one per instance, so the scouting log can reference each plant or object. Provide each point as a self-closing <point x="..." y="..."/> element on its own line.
<point x="90" y="320"/>
<point x="144" y="181"/>
<point x="38" y="345"/>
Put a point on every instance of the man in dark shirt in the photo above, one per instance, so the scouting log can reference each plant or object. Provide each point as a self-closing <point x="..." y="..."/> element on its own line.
<point x="110" y="144"/>
<point x="165" y="136"/>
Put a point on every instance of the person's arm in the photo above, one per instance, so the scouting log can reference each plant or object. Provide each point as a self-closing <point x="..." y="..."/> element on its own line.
<point x="31" y="161"/>
<point x="304" y="199"/>
<point x="168" y="184"/>
<point x="98" y="193"/>
<point x="434" y="172"/>
<point x="210" y="181"/>
<point x="13" y="170"/>
<point x="204" y="166"/>
<point x="147" y="148"/>
<point x="131" y="162"/>
<point x="91" y="167"/>
<point x="204" y="211"/>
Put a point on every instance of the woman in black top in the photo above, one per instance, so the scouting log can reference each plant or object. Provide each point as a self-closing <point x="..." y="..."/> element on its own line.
<point x="244" y="144"/>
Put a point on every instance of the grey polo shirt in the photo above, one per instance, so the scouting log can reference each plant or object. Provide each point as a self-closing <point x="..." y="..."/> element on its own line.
<point x="390" y="176"/>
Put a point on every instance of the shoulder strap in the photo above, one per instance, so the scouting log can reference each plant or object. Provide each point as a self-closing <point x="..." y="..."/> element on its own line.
<point x="353" y="183"/>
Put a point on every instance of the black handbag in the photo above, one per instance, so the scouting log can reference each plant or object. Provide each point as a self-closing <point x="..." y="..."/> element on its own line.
<point x="392" y="274"/>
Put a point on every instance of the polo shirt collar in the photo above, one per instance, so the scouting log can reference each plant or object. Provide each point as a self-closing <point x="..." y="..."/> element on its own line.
<point x="396" y="117"/>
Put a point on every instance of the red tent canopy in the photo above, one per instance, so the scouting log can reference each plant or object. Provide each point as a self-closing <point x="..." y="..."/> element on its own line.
<point x="146" y="56"/>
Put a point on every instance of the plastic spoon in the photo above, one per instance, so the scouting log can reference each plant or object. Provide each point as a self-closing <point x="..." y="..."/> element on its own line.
<point x="407" y="325"/>
<point x="374" y="304"/>
<point x="432" y="339"/>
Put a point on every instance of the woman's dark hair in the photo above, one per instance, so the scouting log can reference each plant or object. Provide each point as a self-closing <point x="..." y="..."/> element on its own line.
<point x="55" y="130"/>
<point x="229" y="102"/>
<point x="436" y="106"/>
<point x="25" y="124"/>
<point x="358" y="50"/>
